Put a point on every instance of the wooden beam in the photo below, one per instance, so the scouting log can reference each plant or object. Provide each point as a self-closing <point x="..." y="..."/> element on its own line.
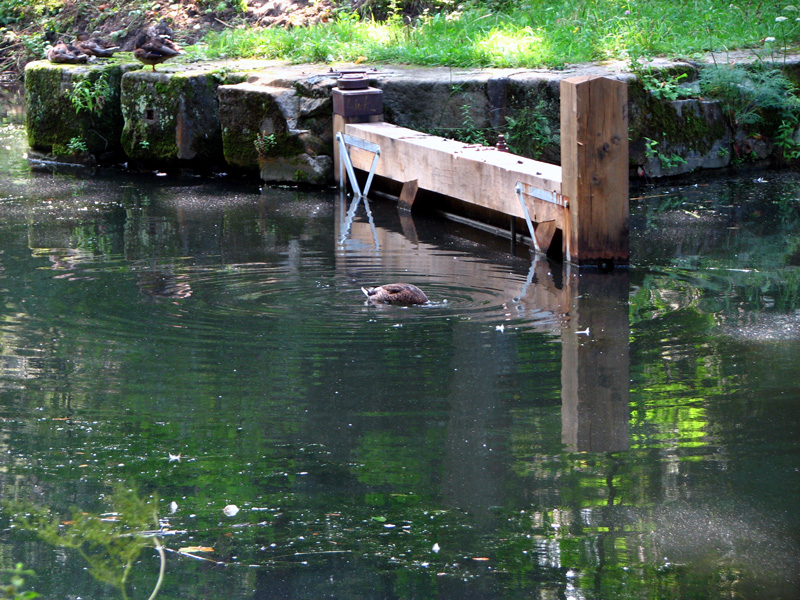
<point x="479" y="175"/>
<point x="408" y="194"/>
<point x="594" y="159"/>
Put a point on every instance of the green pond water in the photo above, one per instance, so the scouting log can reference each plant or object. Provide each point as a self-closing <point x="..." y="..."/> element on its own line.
<point x="533" y="432"/>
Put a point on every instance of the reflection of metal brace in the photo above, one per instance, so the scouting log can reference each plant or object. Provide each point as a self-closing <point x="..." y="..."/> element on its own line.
<point x="347" y="220"/>
<point x="525" y="189"/>
<point x="345" y="141"/>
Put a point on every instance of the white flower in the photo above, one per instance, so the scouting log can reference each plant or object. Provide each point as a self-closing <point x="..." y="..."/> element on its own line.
<point x="780" y="19"/>
<point x="769" y="39"/>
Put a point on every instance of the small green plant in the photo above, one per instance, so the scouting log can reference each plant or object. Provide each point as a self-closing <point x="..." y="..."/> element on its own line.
<point x="90" y="96"/>
<point x="144" y="144"/>
<point x="300" y="176"/>
<point x="265" y="143"/>
<point x="470" y="133"/>
<point x="661" y="85"/>
<point x="784" y="139"/>
<point x="667" y="161"/>
<point x="76" y="145"/>
<point x="529" y="131"/>
<point x="16" y="580"/>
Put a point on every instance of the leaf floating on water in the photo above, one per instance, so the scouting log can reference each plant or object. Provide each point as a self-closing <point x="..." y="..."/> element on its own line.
<point x="379" y="519"/>
<point x="195" y="549"/>
<point x="231" y="510"/>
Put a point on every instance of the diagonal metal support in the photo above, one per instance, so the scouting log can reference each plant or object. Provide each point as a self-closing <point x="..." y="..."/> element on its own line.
<point x="345" y="141"/>
<point x="525" y="189"/>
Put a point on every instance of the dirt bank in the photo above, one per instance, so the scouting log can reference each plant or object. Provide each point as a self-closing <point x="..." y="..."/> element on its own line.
<point x="25" y="36"/>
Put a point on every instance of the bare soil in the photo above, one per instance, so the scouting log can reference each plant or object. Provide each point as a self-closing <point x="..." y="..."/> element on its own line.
<point x="122" y="19"/>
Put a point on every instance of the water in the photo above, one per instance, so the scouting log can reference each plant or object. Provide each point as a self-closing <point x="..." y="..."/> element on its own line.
<point x="532" y="433"/>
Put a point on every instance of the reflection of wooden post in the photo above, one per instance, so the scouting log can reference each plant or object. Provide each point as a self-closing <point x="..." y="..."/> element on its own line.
<point x="594" y="162"/>
<point x="595" y="364"/>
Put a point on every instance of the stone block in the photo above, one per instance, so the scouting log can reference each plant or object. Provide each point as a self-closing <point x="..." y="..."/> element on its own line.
<point x="298" y="129"/>
<point x="171" y="117"/>
<point x="680" y="137"/>
<point x="434" y="104"/>
<point x="73" y="105"/>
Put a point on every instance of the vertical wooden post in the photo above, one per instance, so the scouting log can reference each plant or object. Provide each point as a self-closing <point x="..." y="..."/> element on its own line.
<point x="594" y="163"/>
<point x="354" y="105"/>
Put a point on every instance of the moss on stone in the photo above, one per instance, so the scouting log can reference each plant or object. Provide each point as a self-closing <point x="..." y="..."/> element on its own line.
<point x="170" y="117"/>
<point x="52" y="117"/>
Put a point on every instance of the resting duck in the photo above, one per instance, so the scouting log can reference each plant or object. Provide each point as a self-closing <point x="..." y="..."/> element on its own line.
<point x="395" y="293"/>
<point x="152" y="49"/>
<point x="66" y="54"/>
<point x="94" y="46"/>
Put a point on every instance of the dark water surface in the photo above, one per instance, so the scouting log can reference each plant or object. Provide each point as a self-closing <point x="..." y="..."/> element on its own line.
<point x="532" y="433"/>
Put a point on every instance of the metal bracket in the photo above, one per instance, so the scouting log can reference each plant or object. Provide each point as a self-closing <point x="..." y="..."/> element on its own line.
<point x="345" y="141"/>
<point x="526" y="189"/>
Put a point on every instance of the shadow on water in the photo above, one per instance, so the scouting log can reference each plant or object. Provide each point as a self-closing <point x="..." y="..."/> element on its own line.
<point x="534" y="431"/>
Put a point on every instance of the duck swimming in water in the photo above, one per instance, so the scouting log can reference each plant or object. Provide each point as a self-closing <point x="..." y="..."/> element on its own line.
<point x="152" y="49"/>
<point x="66" y="54"/>
<point x="395" y="293"/>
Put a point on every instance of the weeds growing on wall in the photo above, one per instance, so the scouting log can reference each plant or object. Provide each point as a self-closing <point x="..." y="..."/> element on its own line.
<point x="530" y="132"/>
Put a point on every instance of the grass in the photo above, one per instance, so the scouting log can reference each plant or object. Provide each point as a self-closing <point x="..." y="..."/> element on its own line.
<point x="534" y="33"/>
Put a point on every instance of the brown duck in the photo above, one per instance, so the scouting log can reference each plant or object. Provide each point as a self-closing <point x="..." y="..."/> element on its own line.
<point x="94" y="46"/>
<point x="67" y="54"/>
<point x="153" y="50"/>
<point x="395" y="293"/>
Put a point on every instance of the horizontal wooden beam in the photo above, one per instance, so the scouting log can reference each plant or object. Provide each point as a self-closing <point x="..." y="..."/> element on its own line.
<point x="476" y="174"/>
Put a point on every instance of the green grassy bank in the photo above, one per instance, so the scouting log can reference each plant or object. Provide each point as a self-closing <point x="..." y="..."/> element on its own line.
<point x="529" y="34"/>
<point x="491" y="33"/>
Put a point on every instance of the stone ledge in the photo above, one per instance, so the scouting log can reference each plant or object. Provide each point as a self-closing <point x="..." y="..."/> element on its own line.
<point x="209" y="114"/>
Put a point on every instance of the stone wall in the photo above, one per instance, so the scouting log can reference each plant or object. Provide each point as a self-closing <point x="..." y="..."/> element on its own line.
<point x="275" y="119"/>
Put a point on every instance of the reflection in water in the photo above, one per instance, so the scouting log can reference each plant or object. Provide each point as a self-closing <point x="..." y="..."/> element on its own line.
<point x="534" y="432"/>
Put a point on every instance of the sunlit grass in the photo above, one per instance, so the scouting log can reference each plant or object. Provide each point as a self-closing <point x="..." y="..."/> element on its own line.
<point x="534" y="34"/>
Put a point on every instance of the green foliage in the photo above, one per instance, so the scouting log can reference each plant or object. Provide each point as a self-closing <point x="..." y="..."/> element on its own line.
<point x="508" y="34"/>
<point x="265" y="143"/>
<point x="76" y="145"/>
<point x="784" y="139"/>
<point x="16" y="580"/>
<point x="470" y="133"/>
<point x="530" y="132"/>
<point x="668" y="161"/>
<point x="746" y="93"/>
<point x="660" y="84"/>
<point x="110" y="543"/>
<point x="90" y="96"/>
<point x="15" y="11"/>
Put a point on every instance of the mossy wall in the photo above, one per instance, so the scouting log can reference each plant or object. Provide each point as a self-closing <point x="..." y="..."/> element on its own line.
<point x="245" y="112"/>
<point x="207" y="115"/>
<point x="170" y="117"/>
<point x="53" y="120"/>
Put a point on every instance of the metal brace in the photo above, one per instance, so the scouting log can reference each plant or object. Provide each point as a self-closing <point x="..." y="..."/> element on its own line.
<point x="344" y="141"/>
<point x="525" y="189"/>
